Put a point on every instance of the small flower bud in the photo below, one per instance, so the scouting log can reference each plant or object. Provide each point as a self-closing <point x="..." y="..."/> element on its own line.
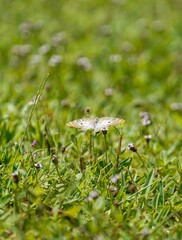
<point x="131" y="147"/>
<point x="34" y="143"/>
<point x="63" y="149"/>
<point x="104" y="130"/>
<point x="54" y="159"/>
<point x="87" y="110"/>
<point x="65" y="103"/>
<point x="35" y="155"/>
<point x="148" y="138"/>
<point x="52" y="149"/>
<point x="112" y="189"/>
<point x="132" y="188"/>
<point x="38" y="165"/>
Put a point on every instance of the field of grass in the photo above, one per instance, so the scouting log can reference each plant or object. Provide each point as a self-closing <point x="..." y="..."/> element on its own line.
<point x="66" y="60"/>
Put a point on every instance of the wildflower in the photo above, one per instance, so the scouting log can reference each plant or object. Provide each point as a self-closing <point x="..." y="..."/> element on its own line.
<point x="176" y="106"/>
<point x="25" y="29"/>
<point x="148" y="138"/>
<point x="52" y="149"/>
<point x="84" y="63"/>
<point x="55" y="60"/>
<point x="45" y="48"/>
<point x="34" y="143"/>
<point x="145" y="117"/>
<point x="112" y="189"/>
<point x="131" y="147"/>
<point x="114" y="58"/>
<point x="115" y="178"/>
<point x="38" y="165"/>
<point x="92" y="196"/>
<point x="58" y="38"/>
<point x="104" y="130"/>
<point x="21" y="50"/>
<point x="35" y="155"/>
<point x="54" y="159"/>
<point x="108" y="92"/>
<point x="35" y="59"/>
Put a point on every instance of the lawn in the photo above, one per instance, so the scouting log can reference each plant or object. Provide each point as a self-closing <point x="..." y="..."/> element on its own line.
<point x="67" y="60"/>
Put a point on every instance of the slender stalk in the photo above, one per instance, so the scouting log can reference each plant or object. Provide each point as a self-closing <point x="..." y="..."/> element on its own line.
<point x="36" y="100"/>
<point x="60" y="178"/>
<point x="143" y="163"/>
<point x="91" y="147"/>
<point x="105" y="142"/>
<point x="119" y="150"/>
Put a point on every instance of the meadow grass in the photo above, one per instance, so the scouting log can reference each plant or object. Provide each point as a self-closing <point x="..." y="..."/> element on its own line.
<point x="65" y="60"/>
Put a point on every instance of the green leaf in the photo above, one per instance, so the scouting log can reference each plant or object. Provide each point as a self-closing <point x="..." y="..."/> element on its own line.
<point x="148" y="183"/>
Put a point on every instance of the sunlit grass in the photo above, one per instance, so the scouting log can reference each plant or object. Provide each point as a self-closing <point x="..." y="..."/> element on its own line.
<point x="104" y="59"/>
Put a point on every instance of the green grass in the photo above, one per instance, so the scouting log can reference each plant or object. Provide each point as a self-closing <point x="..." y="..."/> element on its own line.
<point x="65" y="60"/>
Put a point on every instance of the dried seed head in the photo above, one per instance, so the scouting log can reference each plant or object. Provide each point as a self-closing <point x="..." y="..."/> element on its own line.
<point x="156" y="174"/>
<point x="65" y="103"/>
<point x="112" y="189"/>
<point x="15" y="177"/>
<point x="54" y="159"/>
<point x="63" y="149"/>
<point x="132" y="188"/>
<point x="104" y="130"/>
<point x="87" y="110"/>
<point x="52" y="149"/>
<point x="131" y="147"/>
